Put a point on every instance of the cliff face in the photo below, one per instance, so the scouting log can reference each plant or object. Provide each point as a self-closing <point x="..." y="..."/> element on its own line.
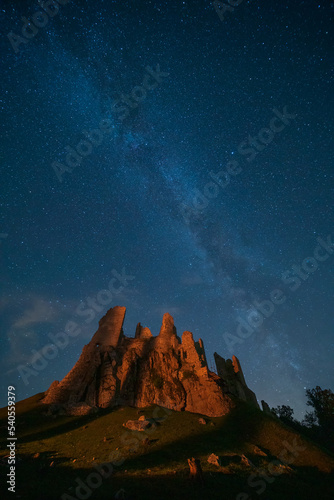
<point x="146" y="370"/>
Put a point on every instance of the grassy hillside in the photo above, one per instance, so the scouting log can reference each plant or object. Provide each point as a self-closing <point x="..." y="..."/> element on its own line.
<point x="56" y="453"/>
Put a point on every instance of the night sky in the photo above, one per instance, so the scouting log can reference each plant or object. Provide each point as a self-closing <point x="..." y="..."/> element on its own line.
<point x="204" y="194"/>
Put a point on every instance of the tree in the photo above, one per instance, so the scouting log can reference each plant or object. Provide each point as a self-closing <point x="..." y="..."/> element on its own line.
<point x="321" y="419"/>
<point x="284" y="412"/>
<point x="322" y="402"/>
<point x="310" y="420"/>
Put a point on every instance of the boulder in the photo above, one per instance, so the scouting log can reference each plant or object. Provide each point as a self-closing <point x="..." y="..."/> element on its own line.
<point x="258" y="451"/>
<point x="245" y="461"/>
<point x="137" y="425"/>
<point x="214" y="460"/>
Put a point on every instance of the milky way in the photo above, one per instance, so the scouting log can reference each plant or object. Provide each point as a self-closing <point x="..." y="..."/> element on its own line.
<point x="186" y="148"/>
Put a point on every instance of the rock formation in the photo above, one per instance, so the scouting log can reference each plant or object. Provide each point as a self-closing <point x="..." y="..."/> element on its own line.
<point x="145" y="370"/>
<point x="265" y="407"/>
<point x="231" y="372"/>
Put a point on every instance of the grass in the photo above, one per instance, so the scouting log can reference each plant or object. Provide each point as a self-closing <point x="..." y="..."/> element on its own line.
<point x="158" y="469"/>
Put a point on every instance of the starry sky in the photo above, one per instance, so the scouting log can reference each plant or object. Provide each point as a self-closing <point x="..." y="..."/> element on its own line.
<point x="169" y="156"/>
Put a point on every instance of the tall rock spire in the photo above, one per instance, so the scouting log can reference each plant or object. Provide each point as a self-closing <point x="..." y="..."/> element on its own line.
<point x="167" y="327"/>
<point x="167" y="336"/>
<point x="231" y="372"/>
<point x="110" y="328"/>
<point x="117" y="370"/>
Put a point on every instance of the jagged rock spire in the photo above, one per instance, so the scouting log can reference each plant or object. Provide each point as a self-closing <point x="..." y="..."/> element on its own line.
<point x="231" y="372"/>
<point x="142" y="332"/>
<point x="117" y="370"/>
<point x="167" y="327"/>
<point x="167" y="336"/>
<point x="110" y="328"/>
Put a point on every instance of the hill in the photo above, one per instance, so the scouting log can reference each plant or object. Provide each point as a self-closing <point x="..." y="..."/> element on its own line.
<point x="259" y="456"/>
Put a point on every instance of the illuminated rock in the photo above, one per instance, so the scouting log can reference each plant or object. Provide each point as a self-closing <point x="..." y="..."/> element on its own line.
<point x="149" y="370"/>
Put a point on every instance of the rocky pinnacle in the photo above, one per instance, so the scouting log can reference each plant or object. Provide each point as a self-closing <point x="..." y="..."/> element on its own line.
<point x="145" y="370"/>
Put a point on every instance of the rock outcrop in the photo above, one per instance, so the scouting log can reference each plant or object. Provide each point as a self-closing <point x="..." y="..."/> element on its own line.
<point x="137" y="425"/>
<point x="145" y="370"/>
<point x="266" y="407"/>
<point x="214" y="460"/>
<point x="231" y="372"/>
